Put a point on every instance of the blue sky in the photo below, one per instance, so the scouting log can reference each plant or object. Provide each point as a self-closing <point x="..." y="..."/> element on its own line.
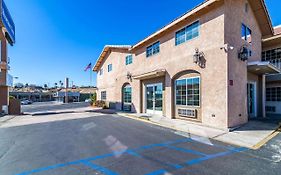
<point x="59" y="38"/>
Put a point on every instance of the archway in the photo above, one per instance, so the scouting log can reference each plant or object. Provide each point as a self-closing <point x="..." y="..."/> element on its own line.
<point x="127" y="97"/>
<point x="186" y="95"/>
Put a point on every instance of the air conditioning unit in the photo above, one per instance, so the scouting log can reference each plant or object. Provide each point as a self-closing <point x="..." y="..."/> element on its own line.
<point x="188" y="113"/>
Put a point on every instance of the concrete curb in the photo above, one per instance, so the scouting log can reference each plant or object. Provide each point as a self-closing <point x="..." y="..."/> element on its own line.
<point x="268" y="138"/>
<point x="5" y="119"/>
<point x="255" y="147"/>
<point x="146" y="120"/>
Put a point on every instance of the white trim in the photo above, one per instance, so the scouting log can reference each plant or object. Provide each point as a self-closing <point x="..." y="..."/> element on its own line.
<point x="175" y="92"/>
<point x="149" y="111"/>
<point x="186" y="41"/>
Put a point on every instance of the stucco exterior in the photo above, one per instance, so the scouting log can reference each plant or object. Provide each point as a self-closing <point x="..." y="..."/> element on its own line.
<point x="222" y="104"/>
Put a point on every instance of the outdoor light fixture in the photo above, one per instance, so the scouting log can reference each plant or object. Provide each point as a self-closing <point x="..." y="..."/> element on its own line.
<point x="198" y="58"/>
<point x="129" y="76"/>
<point x="244" y="53"/>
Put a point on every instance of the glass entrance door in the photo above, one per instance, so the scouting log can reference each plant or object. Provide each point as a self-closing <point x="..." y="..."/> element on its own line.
<point x="154" y="98"/>
<point x="251" y="98"/>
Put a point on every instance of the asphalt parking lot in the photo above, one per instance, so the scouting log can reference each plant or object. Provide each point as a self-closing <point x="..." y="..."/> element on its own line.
<point x="51" y="106"/>
<point x="92" y="143"/>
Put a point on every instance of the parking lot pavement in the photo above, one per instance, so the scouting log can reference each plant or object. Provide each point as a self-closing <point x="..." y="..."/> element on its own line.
<point x="111" y="145"/>
<point x="51" y="106"/>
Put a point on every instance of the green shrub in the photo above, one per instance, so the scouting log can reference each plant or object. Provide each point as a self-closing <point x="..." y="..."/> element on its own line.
<point x="12" y="97"/>
<point x="100" y="104"/>
<point x="94" y="98"/>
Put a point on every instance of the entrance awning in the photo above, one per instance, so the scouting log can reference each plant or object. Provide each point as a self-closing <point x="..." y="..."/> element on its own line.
<point x="153" y="74"/>
<point x="262" y="67"/>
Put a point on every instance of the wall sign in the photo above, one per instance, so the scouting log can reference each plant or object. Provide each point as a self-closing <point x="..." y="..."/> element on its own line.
<point x="8" y="23"/>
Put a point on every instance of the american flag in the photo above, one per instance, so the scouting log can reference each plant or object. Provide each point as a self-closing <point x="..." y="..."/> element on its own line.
<point x="88" y="67"/>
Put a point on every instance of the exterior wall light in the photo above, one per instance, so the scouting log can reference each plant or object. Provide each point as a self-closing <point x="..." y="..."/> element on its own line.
<point x="199" y="58"/>
<point x="129" y="76"/>
<point x="244" y="53"/>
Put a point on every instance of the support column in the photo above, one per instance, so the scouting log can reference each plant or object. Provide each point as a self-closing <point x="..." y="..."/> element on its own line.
<point x="263" y="95"/>
<point x="4" y="89"/>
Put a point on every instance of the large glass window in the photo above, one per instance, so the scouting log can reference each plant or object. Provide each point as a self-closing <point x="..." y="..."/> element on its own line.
<point x="127" y="94"/>
<point x="188" y="92"/>
<point x="129" y="59"/>
<point x="187" y="33"/>
<point x="273" y="94"/>
<point x="153" y="49"/>
<point x="103" y="95"/>
<point x="273" y="55"/>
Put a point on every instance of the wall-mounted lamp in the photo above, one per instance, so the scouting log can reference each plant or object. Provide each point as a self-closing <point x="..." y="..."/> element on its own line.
<point x="227" y="47"/>
<point x="199" y="58"/>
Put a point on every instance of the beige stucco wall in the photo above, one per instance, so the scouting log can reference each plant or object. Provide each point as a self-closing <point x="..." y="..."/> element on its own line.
<point x="176" y="59"/>
<point x="222" y="105"/>
<point x="235" y="15"/>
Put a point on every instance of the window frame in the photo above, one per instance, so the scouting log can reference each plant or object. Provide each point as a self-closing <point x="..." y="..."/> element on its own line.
<point x="129" y="59"/>
<point x="103" y="93"/>
<point x="273" y="94"/>
<point x="124" y="95"/>
<point x="199" y="94"/>
<point x="187" y="31"/>
<point x="244" y="33"/>
<point x="153" y="49"/>
<point x="109" y="67"/>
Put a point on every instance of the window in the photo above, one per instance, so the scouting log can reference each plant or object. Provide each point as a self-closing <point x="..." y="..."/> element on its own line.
<point x="129" y="59"/>
<point x="127" y="94"/>
<point x="187" y="33"/>
<point x="103" y="95"/>
<point x="109" y="67"/>
<point x="246" y="33"/>
<point x="246" y="7"/>
<point x="273" y="94"/>
<point x="270" y="109"/>
<point x="101" y="72"/>
<point x="153" y="49"/>
<point x="274" y="56"/>
<point x="188" y="92"/>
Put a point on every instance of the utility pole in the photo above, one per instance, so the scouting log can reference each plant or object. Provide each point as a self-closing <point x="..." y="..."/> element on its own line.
<point x="66" y="89"/>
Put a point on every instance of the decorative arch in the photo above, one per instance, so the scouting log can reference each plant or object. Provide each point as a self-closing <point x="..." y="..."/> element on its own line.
<point x="126" y="94"/>
<point x="184" y="74"/>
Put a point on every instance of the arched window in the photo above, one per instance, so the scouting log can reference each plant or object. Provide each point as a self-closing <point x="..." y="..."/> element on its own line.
<point x="127" y="94"/>
<point x="188" y="91"/>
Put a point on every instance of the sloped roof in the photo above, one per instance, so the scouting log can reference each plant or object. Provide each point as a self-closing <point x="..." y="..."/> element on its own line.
<point x="258" y="7"/>
<point x="105" y="50"/>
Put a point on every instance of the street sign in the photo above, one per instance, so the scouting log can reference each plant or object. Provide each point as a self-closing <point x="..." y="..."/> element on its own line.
<point x="8" y="23"/>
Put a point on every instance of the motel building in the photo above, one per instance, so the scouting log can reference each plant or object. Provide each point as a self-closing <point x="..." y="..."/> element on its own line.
<point x="7" y="36"/>
<point x="218" y="64"/>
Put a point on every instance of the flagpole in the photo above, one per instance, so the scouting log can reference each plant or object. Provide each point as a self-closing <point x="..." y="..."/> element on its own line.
<point x="90" y="79"/>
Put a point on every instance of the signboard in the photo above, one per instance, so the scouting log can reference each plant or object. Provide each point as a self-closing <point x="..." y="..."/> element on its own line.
<point x="8" y="23"/>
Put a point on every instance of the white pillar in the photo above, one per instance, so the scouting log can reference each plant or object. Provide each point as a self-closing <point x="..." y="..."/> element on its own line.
<point x="263" y="95"/>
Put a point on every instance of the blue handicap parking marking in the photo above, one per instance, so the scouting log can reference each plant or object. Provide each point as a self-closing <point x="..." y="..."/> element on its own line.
<point x="187" y="157"/>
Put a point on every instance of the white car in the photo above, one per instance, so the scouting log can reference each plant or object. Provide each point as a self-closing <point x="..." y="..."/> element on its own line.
<point x="88" y="100"/>
<point x="24" y="102"/>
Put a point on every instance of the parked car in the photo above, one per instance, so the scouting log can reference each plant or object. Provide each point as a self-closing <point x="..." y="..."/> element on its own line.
<point x="88" y="100"/>
<point x="29" y="102"/>
<point x="26" y="102"/>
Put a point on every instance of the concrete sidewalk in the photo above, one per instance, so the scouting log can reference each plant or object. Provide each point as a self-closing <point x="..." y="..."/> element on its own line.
<point x="252" y="135"/>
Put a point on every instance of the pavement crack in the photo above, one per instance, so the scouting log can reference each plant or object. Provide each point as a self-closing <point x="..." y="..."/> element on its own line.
<point x="7" y="151"/>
